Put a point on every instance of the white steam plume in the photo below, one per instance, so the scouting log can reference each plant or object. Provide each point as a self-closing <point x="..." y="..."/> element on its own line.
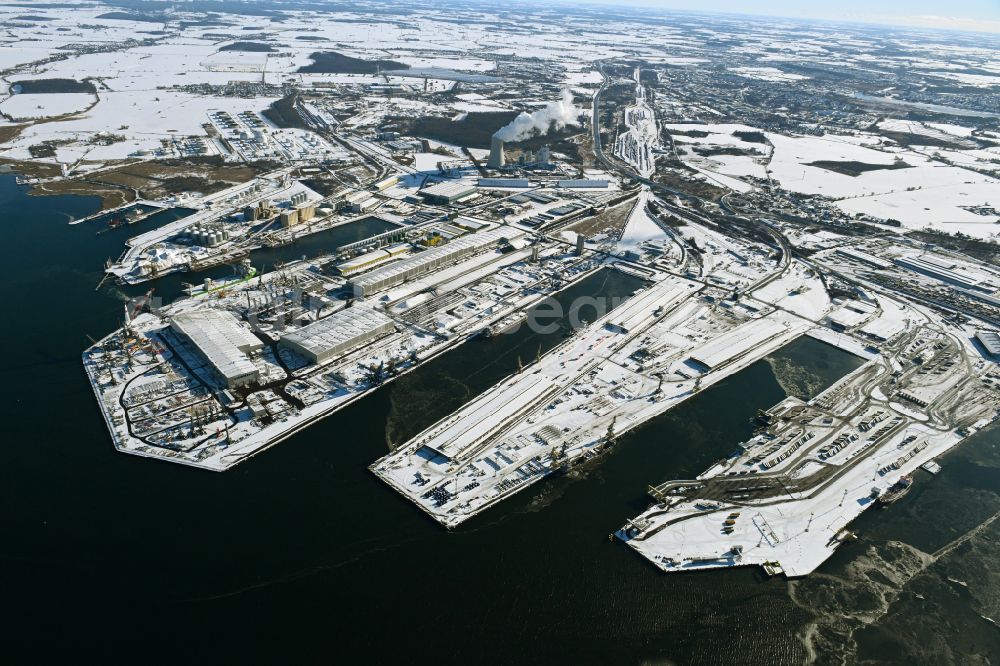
<point x="560" y="114"/>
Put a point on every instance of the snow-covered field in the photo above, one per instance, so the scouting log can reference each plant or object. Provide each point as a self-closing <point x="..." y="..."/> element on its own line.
<point x="718" y="166"/>
<point x="924" y="192"/>
<point x="144" y="118"/>
<point x="34" y="106"/>
<point x="640" y="227"/>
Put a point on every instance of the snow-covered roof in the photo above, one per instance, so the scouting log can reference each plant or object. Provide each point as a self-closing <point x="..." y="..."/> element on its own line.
<point x="339" y="330"/>
<point x="221" y="339"/>
<point x="424" y="261"/>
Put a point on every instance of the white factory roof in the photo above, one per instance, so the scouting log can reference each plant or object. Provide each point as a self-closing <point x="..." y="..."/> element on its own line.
<point x="472" y="223"/>
<point x="221" y="339"/>
<point x="737" y="341"/>
<point x="450" y="190"/>
<point x="458" y="434"/>
<point x="637" y="311"/>
<point x="884" y="328"/>
<point x="943" y="270"/>
<point x="475" y="241"/>
<point x="583" y="182"/>
<point x="338" y="328"/>
<point x="864" y="257"/>
<point x="851" y="314"/>
<point x="504" y="182"/>
<point x="990" y="340"/>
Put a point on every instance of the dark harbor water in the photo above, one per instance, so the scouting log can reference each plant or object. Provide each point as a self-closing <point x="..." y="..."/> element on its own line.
<point x="301" y="555"/>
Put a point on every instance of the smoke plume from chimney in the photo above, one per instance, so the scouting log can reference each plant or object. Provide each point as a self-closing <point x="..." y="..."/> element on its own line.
<point x="558" y="114"/>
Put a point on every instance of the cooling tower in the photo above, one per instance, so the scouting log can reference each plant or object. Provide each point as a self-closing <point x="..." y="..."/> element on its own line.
<point x="497" y="159"/>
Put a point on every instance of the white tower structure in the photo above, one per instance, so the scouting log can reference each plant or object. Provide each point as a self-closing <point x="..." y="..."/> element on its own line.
<point x="497" y="158"/>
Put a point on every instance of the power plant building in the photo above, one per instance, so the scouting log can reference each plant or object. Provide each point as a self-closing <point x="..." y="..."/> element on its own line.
<point x="223" y="343"/>
<point x="426" y="261"/>
<point x="338" y="334"/>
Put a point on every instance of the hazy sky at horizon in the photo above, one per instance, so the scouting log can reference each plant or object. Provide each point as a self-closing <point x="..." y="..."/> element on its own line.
<point x="955" y="14"/>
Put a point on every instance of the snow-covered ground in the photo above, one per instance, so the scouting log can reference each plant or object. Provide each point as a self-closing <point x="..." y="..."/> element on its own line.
<point x="916" y="190"/>
<point x="35" y="106"/>
<point x="143" y="118"/>
<point x="711" y="155"/>
<point x="821" y="464"/>
<point x="640" y="227"/>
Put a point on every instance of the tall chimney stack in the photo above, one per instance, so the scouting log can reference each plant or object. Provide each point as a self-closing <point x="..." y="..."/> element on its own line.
<point x="497" y="158"/>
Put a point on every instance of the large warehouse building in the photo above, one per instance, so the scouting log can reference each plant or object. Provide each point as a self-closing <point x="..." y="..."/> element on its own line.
<point x="736" y="342"/>
<point x="338" y="334"/>
<point x="446" y="193"/>
<point x="223" y="342"/>
<point x="990" y="340"/>
<point x="428" y="260"/>
<point x="945" y="271"/>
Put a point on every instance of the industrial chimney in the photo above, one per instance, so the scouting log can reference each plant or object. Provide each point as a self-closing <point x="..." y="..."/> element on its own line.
<point x="497" y="159"/>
